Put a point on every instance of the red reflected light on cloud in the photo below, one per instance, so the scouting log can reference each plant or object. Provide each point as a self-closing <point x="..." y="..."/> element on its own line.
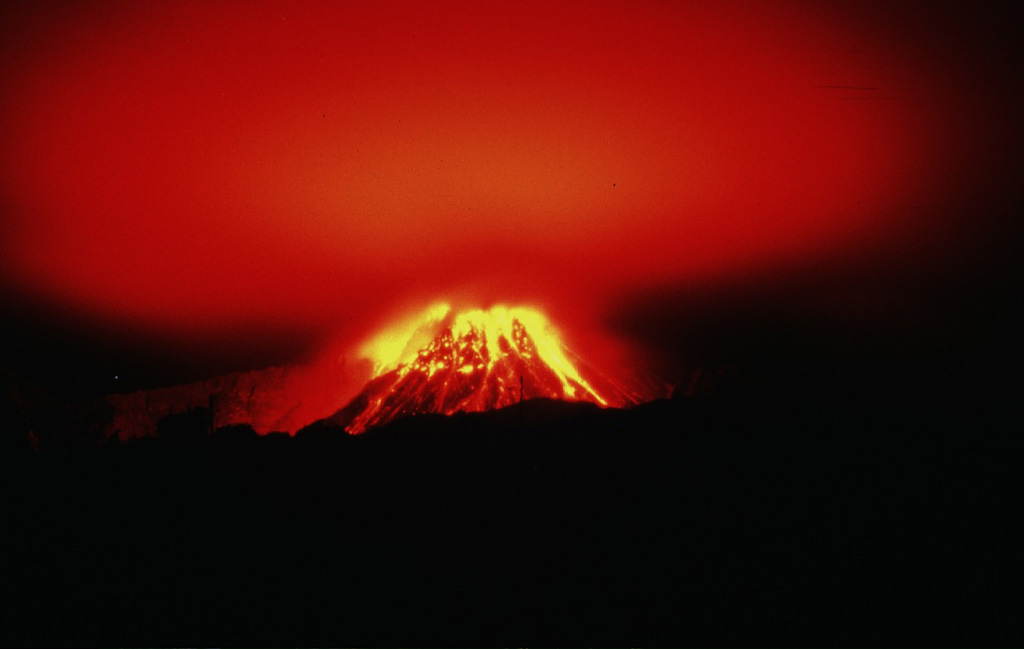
<point x="195" y="166"/>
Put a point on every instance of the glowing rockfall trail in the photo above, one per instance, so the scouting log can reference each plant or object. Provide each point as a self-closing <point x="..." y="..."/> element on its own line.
<point x="443" y="361"/>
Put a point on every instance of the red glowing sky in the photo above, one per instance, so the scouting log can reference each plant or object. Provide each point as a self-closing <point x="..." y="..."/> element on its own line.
<point x="198" y="167"/>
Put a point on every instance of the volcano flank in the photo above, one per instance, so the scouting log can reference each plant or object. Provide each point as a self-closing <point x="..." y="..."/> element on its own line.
<point x="472" y="361"/>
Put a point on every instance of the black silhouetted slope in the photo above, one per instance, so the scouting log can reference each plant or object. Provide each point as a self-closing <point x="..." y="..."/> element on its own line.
<point x="728" y="519"/>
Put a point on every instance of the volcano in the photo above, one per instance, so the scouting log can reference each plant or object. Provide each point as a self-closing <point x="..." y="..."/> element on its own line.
<point x="447" y="362"/>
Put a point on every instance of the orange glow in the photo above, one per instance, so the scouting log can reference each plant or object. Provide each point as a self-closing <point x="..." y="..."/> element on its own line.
<point x="475" y="359"/>
<point x="399" y="346"/>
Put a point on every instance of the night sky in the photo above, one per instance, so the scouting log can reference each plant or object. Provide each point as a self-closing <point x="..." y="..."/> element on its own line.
<point x="193" y="188"/>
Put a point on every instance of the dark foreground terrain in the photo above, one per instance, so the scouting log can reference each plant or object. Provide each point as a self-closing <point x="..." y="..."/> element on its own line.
<point x="731" y="517"/>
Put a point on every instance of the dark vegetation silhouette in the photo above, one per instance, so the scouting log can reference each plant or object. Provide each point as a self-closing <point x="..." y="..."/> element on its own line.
<point x="33" y="419"/>
<point x="184" y="426"/>
<point x="730" y="514"/>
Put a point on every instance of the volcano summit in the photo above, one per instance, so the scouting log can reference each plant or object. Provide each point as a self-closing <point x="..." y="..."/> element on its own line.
<point x="447" y="362"/>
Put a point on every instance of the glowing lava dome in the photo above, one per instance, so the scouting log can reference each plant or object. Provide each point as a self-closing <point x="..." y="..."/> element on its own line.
<point x="447" y="362"/>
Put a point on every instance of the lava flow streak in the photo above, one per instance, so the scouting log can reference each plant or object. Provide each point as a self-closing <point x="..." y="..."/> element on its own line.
<point x="447" y="362"/>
